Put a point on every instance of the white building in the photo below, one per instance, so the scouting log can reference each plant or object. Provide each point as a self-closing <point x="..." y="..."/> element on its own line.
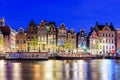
<point x="13" y="40"/>
<point x="42" y="37"/>
<point x="93" y="42"/>
<point x="106" y="35"/>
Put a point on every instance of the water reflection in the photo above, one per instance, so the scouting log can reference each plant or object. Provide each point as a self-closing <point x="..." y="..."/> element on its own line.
<point x="60" y="70"/>
<point x="2" y="70"/>
<point x="37" y="74"/>
<point x="16" y="71"/>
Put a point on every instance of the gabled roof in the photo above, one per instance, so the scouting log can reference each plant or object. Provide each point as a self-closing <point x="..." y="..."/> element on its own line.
<point x="80" y="33"/>
<point x="100" y="27"/>
<point x="62" y="26"/>
<point x="93" y="32"/>
<point x="32" y="23"/>
<point x="92" y="29"/>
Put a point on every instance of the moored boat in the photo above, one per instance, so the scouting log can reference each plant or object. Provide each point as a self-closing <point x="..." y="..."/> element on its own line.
<point x="27" y="56"/>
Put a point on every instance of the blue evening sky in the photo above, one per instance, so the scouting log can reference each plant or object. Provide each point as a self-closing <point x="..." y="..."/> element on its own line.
<point x="77" y="14"/>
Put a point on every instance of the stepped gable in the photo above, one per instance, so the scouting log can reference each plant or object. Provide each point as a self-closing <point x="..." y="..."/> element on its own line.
<point x="32" y="23"/>
<point x="100" y="27"/>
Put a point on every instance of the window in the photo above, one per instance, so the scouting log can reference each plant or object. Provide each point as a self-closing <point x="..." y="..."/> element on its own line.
<point x="100" y="41"/>
<point x="112" y="35"/>
<point x="100" y="47"/>
<point x="24" y="42"/>
<point x="28" y="37"/>
<point x="106" y="47"/>
<point x="109" y="51"/>
<point x="18" y="41"/>
<point x="112" y="41"/>
<point x="109" y="47"/>
<point x="103" y="47"/>
<point x="112" y="47"/>
<point x="103" y="41"/>
<point x="100" y="35"/>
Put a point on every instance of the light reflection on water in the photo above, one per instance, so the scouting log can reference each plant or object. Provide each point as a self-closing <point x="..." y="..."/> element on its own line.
<point x="16" y="71"/>
<point x="101" y="69"/>
<point x="2" y="70"/>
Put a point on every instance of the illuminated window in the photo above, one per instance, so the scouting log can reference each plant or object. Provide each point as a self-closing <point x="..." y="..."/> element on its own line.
<point x="109" y="47"/>
<point x="112" y="47"/>
<point x="100" y="41"/>
<point x="106" y="47"/>
<point x="112" y="41"/>
<point x="103" y="47"/>
<point x="100" y="47"/>
<point x="109" y="35"/>
<point x="109" y="50"/>
<point x="100" y="34"/>
<point x="112" y="35"/>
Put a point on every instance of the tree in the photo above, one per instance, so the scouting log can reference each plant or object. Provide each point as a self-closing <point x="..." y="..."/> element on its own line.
<point x="68" y="45"/>
<point x="1" y="40"/>
<point x="1" y="43"/>
<point x="97" y="46"/>
<point x="35" y="42"/>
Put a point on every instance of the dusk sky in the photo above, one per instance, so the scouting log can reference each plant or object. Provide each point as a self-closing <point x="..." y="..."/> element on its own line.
<point x="77" y="14"/>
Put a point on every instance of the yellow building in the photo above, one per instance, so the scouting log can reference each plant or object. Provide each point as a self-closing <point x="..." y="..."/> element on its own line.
<point x="72" y="38"/>
<point x="5" y="36"/>
<point x="1" y="43"/>
<point x="32" y="37"/>
<point x="51" y="37"/>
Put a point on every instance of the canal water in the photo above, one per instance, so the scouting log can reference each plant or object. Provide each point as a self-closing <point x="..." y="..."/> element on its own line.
<point x="99" y="69"/>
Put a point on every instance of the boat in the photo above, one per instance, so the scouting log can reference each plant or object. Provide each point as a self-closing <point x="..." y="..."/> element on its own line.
<point x="27" y="56"/>
<point x="75" y="56"/>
